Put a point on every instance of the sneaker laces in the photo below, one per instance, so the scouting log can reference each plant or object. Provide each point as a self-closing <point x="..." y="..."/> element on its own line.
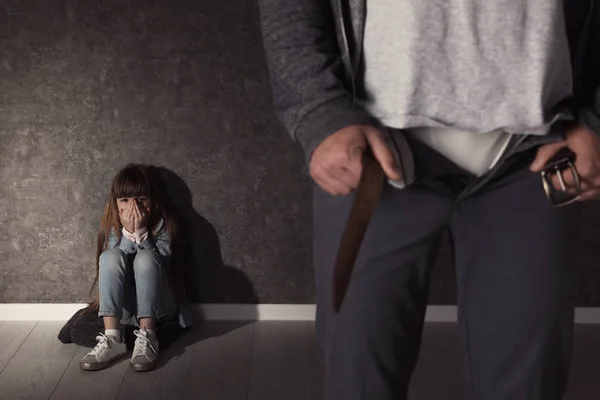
<point x="141" y="344"/>
<point x="101" y="346"/>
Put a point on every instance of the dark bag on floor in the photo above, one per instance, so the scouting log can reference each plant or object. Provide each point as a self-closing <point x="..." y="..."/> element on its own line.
<point x="85" y="325"/>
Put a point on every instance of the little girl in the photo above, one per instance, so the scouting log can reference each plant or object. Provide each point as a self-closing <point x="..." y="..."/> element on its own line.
<point x="137" y="274"/>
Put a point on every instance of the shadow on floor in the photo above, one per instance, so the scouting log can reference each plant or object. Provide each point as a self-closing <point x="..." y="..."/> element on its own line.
<point x="197" y="334"/>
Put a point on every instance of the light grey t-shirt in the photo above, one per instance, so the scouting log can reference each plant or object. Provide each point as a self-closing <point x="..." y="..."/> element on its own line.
<point x="476" y="66"/>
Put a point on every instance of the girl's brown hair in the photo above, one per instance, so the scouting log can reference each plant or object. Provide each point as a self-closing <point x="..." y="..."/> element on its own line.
<point x="138" y="180"/>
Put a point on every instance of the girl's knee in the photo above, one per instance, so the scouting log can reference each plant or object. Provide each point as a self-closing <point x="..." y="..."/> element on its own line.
<point x="146" y="260"/>
<point x="112" y="259"/>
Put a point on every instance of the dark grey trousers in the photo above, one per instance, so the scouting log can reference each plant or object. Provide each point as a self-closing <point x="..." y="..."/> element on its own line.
<point x="514" y="261"/>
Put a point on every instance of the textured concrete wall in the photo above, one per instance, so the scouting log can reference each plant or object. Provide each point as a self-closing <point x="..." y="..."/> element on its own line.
<point x="86" y="86"/>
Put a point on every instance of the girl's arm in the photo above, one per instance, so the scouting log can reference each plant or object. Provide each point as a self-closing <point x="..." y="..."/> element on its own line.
<point x="124" y="243"/>
<point x="160" y="242"/>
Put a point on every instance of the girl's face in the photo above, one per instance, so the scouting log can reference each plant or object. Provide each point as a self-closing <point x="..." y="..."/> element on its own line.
<point x="143" y="203"/>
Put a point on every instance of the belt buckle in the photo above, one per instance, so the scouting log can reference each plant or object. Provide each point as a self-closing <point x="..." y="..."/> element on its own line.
<point x="562" y="162"/>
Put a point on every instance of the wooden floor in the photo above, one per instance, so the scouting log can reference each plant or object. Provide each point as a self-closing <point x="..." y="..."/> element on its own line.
<point x="236" y="360"/>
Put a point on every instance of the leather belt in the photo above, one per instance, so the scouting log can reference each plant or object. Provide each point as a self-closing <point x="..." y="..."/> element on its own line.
<point x="366" y="197"/>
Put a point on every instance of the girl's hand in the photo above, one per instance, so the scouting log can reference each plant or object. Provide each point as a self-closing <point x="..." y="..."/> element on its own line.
<point x="140" y="217"/>
<point x="127" y="217"/>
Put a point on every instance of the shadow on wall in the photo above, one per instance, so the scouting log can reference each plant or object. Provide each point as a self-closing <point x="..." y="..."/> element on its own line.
<point x="207" y="278"/>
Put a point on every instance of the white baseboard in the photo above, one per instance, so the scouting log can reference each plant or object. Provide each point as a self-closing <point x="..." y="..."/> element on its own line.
<point x="241" y="312"/>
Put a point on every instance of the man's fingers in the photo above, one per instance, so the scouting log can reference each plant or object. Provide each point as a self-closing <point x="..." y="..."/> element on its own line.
<point x="352" y="170"/>
<point x="333" y="188"/>
<point x="334" y="182"/>
<point x="565" y="181"/>
<point x="383" y="154"/>
<point x="340" y="173"/>
<point x="589" y="169"/>
<point x="544" y="154"/>
<point x="336" y="164"/>
<point x="346" y="179"/>
<point x="590" y="195"/>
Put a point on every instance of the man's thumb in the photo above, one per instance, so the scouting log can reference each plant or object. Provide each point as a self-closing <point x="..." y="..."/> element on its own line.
<point x="384" y="155"/>
<point x="544" y="154"/>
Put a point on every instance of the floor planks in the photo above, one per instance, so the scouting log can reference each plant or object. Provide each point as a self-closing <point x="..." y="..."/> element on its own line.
<point x="13" y="334"/>
<point x="220" y="364"/>
<point x="237" y="361"/>
<point x="38" y="365"/>
<point x="280" y="362"/>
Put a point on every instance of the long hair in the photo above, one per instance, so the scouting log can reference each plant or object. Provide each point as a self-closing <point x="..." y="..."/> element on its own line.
<point x="137" y="180"/>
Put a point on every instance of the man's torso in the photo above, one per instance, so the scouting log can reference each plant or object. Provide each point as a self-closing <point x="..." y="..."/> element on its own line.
<point x="456" y="68"/>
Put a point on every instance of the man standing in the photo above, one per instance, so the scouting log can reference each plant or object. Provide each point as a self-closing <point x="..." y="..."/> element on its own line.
<point x="484" y="93"/>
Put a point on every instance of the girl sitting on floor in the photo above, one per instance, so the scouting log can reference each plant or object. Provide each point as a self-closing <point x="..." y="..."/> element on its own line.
<point x="138" y="280"/>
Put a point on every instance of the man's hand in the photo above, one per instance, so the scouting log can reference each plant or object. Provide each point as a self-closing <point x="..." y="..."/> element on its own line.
<point x="336" y="164"/>
<point x="586" y="146"/>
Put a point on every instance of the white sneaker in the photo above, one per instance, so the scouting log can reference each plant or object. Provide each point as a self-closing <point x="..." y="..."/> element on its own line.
<point x="145" y="351"/>
<point x="106" y="351"/>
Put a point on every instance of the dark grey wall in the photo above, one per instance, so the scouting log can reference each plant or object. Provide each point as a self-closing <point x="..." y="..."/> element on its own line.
<point x="86" y="86"/>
